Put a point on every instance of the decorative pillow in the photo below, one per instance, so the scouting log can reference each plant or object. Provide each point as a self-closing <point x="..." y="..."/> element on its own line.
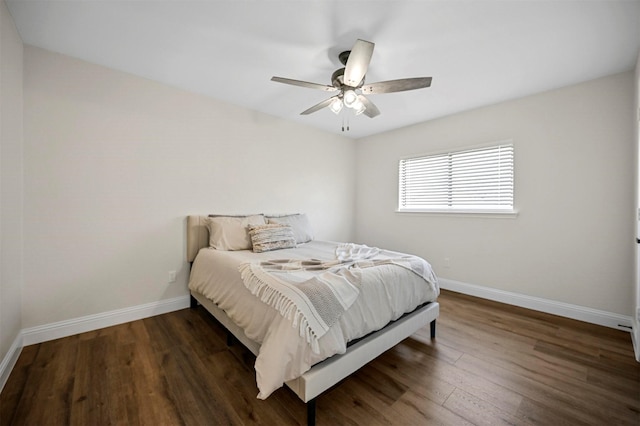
<point x="271" y="237"/>
<point x="231" y="232"/>
<point x="298" y="222"/>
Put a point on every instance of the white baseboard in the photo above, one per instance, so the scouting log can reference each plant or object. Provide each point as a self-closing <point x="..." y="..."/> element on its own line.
<point x="43" y="333"/>
<point x="10" y="360"/>
<point x="581" y="313"/>
<point x="635" y="338"/>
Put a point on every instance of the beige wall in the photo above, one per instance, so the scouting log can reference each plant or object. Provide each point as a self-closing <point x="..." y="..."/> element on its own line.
<point x="572" y="241"/>
<point x="11" y="51"/>
<point x="114" y="163"/>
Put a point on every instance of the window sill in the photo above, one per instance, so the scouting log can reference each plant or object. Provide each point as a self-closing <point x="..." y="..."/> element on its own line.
<point x="499" y="214"/>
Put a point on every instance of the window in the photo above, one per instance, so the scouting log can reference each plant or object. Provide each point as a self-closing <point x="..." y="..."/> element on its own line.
<point x="474" y="180"/>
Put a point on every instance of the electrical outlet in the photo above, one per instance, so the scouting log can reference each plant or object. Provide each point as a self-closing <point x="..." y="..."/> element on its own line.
<point x="447" y="263"/>
<point x="172" y="276"/>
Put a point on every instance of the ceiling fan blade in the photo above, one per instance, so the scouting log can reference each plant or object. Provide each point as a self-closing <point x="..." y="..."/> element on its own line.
<point x="358" y="62"/>
<point x="300" y="83"/>
<point x="396" y="85"/>
<point x="319" y="106"/>
<point x="371" y="110"/>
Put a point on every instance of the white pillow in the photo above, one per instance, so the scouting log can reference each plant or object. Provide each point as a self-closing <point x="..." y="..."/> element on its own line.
<point x="299" y="223"/>
<point x="271" y="237"/>
<point x="232" y="232"/>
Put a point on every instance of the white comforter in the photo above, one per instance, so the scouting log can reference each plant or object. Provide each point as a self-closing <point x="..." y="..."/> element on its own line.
<point x="387" y="292"/>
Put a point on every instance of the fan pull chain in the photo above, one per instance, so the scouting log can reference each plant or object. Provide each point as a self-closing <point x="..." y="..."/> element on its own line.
<point x="343" y="124"/>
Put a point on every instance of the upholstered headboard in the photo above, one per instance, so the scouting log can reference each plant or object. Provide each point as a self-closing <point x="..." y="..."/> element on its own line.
<point x="197" y="235"/>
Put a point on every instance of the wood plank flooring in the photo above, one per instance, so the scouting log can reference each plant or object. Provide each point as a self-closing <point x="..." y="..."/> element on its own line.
<point x="490" y="364"/>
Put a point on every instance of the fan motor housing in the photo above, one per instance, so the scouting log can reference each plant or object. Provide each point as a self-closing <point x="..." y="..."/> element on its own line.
<point x="337" y="78"/>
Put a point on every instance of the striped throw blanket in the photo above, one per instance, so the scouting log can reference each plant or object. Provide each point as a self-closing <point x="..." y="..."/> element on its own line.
<point x="313" y="294"/>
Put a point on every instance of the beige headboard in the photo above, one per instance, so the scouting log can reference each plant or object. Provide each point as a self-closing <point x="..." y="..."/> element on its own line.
<point x="197" y="235"/>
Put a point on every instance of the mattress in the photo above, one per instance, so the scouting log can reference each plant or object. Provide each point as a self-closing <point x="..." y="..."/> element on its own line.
<point x="386" y="293"/>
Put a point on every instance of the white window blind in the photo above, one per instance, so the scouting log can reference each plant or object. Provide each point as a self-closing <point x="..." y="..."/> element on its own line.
<point x="471" y="180"/>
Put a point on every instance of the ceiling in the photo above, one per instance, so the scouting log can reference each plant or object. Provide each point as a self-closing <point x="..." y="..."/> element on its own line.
<point x="478" y="52"/>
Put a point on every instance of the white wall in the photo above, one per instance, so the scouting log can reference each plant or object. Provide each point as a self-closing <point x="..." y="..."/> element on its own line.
<point x="114" y="163"/>
<point x="11" y="185"/>
<point x="636" y="134"/>
<point x="572" y="241"/>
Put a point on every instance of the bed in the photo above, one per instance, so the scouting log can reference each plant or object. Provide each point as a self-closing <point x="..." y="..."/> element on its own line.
<point x="242" y="270"/>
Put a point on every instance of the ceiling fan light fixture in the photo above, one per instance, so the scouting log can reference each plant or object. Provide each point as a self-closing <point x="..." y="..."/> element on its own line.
<point x="349" y="98"/>
<point x="358" y="107"/>
<point x="336" y="106"/>
<point x="349" y="83"/>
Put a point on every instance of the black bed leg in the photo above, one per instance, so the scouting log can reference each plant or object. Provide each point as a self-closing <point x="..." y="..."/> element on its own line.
<point x="311" y="412"/>
<point x="193" y="302"/>
<point x="231" y="339"/>
<point x="433" y="329"/>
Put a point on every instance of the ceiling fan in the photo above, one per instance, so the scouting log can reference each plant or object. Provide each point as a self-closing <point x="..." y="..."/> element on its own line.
<point x="350" y="86"/>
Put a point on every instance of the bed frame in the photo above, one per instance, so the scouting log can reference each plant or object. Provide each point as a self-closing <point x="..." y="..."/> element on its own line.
<point x="331" y="371"/>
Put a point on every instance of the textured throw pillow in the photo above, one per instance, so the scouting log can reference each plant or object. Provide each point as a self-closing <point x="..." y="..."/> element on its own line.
<point x="232" y="232"/>
<point x="271" y="237"/>
<point x="299" y="223"/>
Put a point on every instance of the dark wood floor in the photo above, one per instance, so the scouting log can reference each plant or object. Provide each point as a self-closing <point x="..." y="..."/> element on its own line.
<point x="490" y="364"/>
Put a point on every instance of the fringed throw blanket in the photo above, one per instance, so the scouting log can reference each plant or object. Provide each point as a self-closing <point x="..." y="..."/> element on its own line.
<point x="313" y="302"/>
<point x="313" y="294"/>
